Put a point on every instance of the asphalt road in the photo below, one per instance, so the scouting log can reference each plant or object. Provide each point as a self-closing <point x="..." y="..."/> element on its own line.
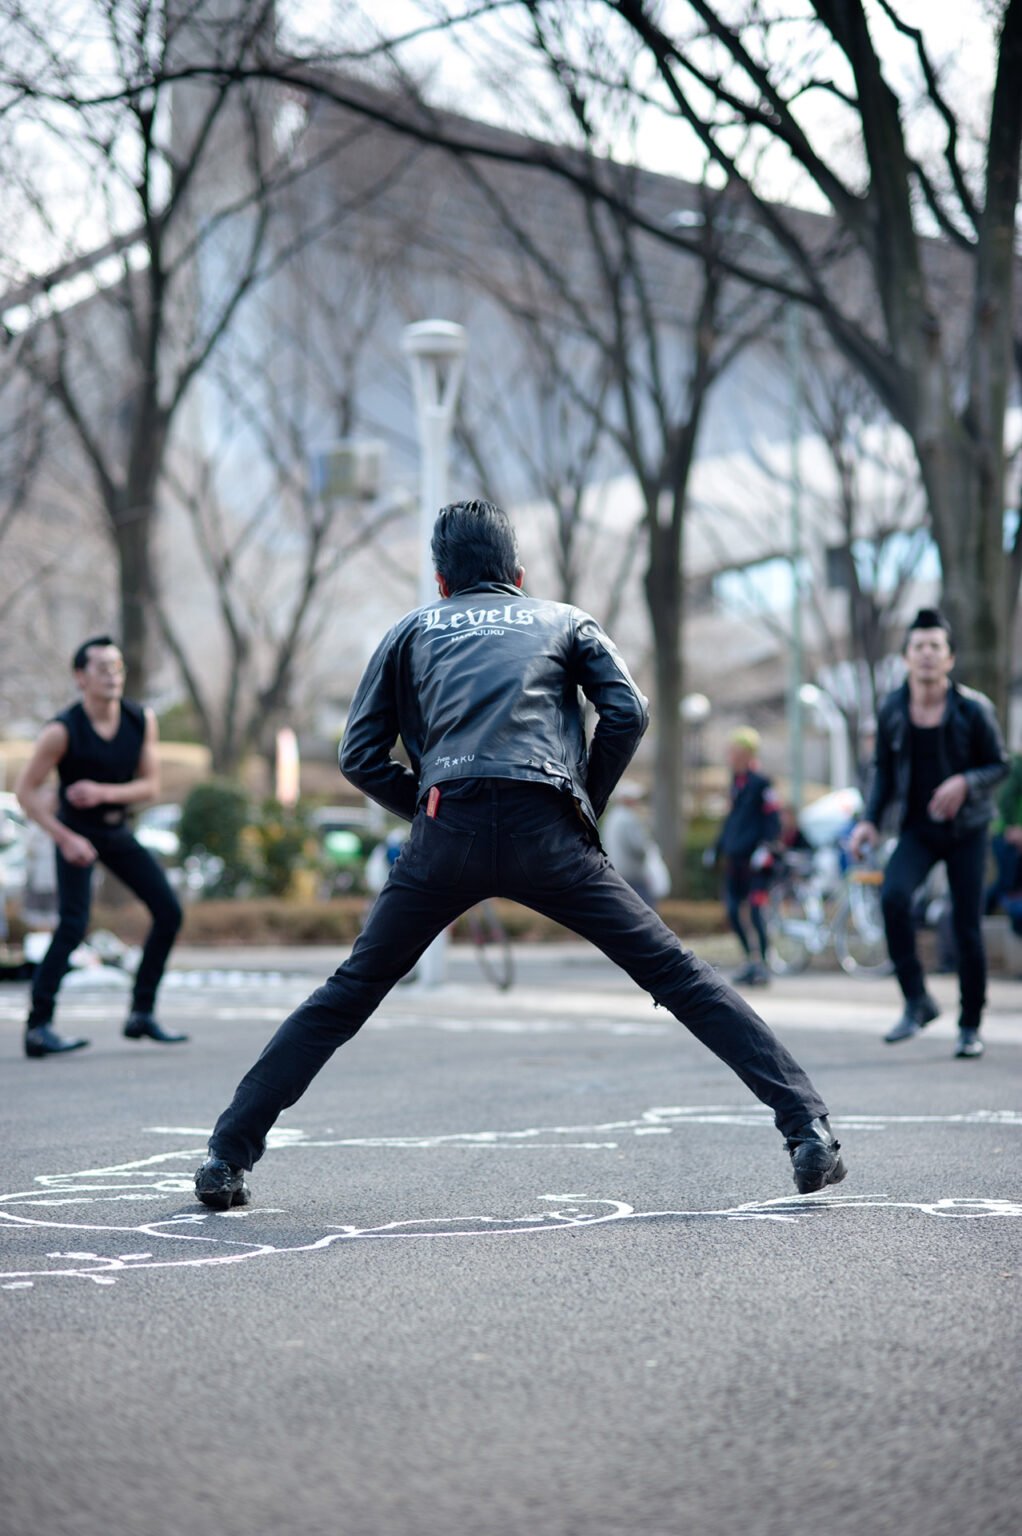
<point x="526" y="1263"/>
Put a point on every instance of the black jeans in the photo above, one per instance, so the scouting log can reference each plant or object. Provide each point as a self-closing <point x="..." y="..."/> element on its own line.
<point x="918" y="850"/>
<point x="131" y="863"/>
<point x="525" y="842"/>
<point x="744" y="884"/>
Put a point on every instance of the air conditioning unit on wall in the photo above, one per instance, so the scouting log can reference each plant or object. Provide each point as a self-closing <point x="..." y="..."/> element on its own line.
<point x="349" y="470"/>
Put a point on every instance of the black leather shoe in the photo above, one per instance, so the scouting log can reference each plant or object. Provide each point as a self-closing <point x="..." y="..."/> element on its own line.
<point x="752" y="974"/>
<point x="969" y="1043"/>
<point x="220" y="1184"/>
<point x="815" y="1156"/>
<point x="41" y="1040"/>
<point x="141" y="1025"/>
<point x="918" y="1013"/>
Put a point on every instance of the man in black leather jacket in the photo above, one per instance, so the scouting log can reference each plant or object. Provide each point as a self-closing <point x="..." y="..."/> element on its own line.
<point x="939" y="755"/>
<point x="485" y="690"/>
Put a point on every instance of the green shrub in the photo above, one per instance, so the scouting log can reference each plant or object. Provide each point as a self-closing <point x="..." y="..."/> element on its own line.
<point x="281" y="844"/>
<point x="701" y="884"/>
<point x="213" y="819"/>
<point x="181" y="723"/>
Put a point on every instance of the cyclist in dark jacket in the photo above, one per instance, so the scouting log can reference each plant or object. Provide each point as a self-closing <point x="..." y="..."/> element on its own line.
<point x="939" y="755"/>
<point x="485" y="689"/>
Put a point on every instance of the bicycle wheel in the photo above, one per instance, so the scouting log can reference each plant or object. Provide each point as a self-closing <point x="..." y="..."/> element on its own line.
<point x="860" y="941"/>
<point x="491" y="945"/>
<point x="790" y="931"/>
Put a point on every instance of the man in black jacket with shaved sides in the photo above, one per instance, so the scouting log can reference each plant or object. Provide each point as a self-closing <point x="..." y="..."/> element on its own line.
<point x="486" y="691"/>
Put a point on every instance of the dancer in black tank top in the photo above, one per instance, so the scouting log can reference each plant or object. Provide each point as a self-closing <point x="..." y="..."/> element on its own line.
<point x="104" y="751"/>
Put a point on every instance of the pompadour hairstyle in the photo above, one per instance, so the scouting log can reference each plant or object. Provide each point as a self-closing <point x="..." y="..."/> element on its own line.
<point x="473" y="542"/>
<point x="80" y="658"/>
<point x="931" y="618"/>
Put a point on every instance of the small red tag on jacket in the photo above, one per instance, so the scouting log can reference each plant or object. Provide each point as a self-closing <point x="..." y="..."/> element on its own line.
<point x="433" y="802"/>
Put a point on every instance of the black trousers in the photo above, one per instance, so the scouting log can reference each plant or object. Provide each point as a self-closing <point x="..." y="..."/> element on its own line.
<point x="918" y="850"/>
<point x="118" y="849"/>
<point x="525" y="842"/>
<point x="744" y="884"/>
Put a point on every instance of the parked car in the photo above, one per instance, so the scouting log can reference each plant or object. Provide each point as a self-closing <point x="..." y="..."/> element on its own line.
<point x="156" y="829"/>
<point x="346" y="835"/>
<point x="13" y="836"/>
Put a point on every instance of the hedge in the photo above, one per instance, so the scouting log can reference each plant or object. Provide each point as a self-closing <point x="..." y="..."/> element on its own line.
<point x="269" y="921"/>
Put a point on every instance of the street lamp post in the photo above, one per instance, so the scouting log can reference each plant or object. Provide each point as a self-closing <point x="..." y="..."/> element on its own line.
<point x="695" y="711"/>
<point x="793" y="349"/>
<point x="436" y="353"/>
<point x="837" y="730"/>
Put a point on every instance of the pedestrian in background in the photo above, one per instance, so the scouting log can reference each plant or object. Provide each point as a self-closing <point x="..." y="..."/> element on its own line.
<point x="744" y="848"/>
<point x="629" y="844"/>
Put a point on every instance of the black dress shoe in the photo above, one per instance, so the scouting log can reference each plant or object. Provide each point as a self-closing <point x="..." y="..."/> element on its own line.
<point x="219" y="1184"/>
<point x="918" y="1013"/>
<point x="144" y="1024"/>
<point x="41" y="1040"/>
<point x="815" y="1157"/>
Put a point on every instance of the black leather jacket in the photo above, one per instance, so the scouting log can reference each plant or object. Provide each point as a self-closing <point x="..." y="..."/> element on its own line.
<point x="486" y="684"/>
<point x="972" y="746"/>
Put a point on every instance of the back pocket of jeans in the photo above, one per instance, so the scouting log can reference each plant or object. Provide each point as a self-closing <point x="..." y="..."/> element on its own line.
<point x="552" y="858"/>
<point x="444" y="851"/>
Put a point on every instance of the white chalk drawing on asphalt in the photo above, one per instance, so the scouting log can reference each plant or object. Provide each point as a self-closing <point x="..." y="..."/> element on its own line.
<point x="659" y="1121"/>
<point x="200" y="1238"/>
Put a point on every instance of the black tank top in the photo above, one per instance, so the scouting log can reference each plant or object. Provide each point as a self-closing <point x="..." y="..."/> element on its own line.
<point x="88" y="756"/>
<point x="928" y="770"/>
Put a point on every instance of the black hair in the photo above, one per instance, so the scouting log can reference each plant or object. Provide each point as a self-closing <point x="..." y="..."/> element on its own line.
<point x="931" y="618"/>
<point x="80" y="659"/>
<point x="473" y="542"/>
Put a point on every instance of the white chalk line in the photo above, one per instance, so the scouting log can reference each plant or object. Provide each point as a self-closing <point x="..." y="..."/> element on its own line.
<point x="153" y="1178"/>
<point x="105" y="1268"/>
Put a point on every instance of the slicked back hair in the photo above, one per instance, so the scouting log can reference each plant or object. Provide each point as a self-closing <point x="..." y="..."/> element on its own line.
<point x="80" y="659"/>
<point x="930" y="618"/>
<point x="474" y="542"/>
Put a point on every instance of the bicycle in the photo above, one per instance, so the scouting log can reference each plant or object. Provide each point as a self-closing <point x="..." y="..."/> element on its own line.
<point x="804" y="919"/>
<point x="492" y="945"/>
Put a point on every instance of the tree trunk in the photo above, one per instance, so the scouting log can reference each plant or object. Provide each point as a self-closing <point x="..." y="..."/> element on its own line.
<point x="967" y="506"/>
<point x="664" y="598"/>
<point x="132" y="531"/>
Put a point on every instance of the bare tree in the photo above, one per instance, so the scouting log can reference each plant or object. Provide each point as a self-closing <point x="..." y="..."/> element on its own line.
<point x="913" y="273"/>
<point x="23" y="433"/>
<point x="119" y="363"/>
<point x="936" y="346"/>
<point x="866" y="537"/>
<point x="186" y="176"/>
<point x="271" y="541"/>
